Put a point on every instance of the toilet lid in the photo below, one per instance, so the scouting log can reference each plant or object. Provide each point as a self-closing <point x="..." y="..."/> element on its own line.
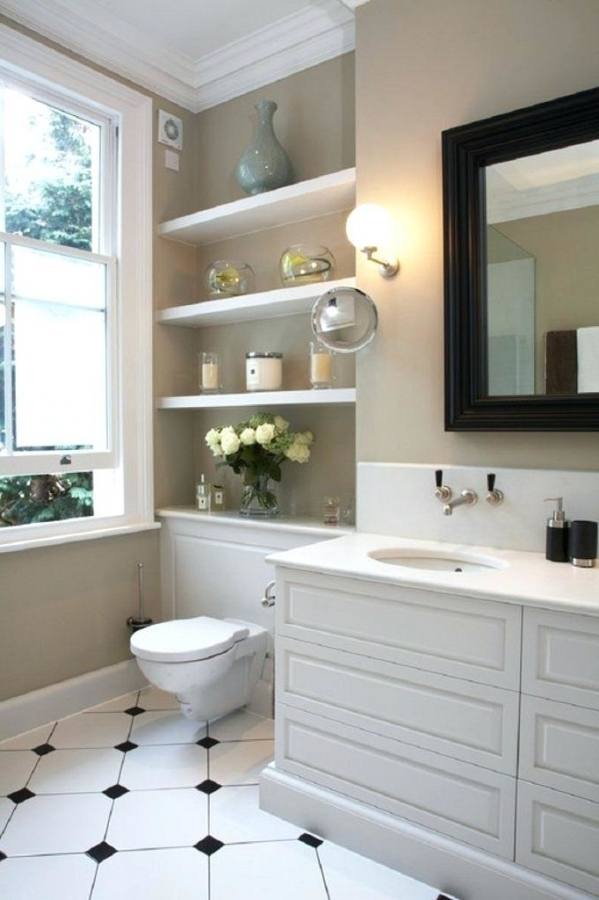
<point x="183" y="640"/>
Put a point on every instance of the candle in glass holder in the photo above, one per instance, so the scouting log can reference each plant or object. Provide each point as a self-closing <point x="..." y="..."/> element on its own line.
<point x="209" y="373"/>
<point x="321" y="366"/>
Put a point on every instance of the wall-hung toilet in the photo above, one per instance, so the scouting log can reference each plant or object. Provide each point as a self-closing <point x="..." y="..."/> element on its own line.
<point x="211" y="665"/>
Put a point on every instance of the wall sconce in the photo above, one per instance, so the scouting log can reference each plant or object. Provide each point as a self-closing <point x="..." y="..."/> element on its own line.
<point x="370" y="227"/>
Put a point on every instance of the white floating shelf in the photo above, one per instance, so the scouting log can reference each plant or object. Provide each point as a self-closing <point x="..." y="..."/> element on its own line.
<point x="250" y="307"/>
<point x="295" y="203"/>
<point x="330" y="397"/>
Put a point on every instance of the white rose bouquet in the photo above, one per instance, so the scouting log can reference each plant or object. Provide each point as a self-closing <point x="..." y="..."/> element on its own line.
<point x="256" y="449"/>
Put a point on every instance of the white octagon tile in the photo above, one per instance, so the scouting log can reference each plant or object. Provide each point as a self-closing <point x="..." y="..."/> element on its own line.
<point x="240" y="762"/>
<point x="166" y="727"/>
<point x="50" y="877"/>
<point x="154" y="875"/>
<point x="170" y="766"/>
<point x="242" y="725"/>
<point x="63" y="824"/>
<point x="6" y="808"/>
<point x="153" y="698"/>
<point x="147" y="819"/>
<point x="76" y="771"/>
<point x="15" y="768"/>
<point x="89" y="730"/>
<point x="266" y="872"/>
<point x="353" y="877"/>
<point x="235" y="817"/>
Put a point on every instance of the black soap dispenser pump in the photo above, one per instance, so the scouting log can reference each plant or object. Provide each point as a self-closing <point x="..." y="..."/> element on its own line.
<point x="558" y="531"/>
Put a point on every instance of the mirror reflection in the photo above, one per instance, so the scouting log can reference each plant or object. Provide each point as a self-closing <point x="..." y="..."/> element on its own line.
<point x="542" y="270"/>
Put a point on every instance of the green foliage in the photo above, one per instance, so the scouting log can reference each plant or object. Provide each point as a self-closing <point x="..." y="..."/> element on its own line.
<point x="25" y="499"/>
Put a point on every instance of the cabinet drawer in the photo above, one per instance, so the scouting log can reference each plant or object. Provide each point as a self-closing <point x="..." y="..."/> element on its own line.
<point x="460" y="800"/>
<point x="559" y="746"/>
<point x="471" y="722"/>
<point x="560" y="657"/>
<point x="474" y="639"/>
<point x="558" y="835"/>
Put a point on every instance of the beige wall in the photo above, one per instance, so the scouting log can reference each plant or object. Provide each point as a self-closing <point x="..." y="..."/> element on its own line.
<point x="564" y="245"/>
<point x="423" y="66"/>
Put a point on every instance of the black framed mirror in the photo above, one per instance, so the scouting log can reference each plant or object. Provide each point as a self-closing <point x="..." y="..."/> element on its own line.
<point x="521" y="241"/>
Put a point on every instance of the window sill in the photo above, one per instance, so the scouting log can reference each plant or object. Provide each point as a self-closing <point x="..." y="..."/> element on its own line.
<point x="92" y="534"/>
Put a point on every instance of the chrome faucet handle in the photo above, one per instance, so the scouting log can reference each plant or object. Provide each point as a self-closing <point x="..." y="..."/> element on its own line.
<point x="494" y="496"/>
<point x="442" y="491"/>
<point x="269" y="598"/>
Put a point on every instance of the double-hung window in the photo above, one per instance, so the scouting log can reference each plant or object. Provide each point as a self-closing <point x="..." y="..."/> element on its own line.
<point x="73" y="320"/>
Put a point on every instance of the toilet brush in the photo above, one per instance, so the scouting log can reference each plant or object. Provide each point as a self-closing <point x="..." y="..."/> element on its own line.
<point x="135" y="623"/>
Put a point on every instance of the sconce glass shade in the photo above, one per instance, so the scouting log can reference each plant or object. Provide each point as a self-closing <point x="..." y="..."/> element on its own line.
<point x="369" y="225"/>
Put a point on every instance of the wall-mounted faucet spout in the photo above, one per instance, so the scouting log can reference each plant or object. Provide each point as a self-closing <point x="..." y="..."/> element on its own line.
<point x="466" y="498"/>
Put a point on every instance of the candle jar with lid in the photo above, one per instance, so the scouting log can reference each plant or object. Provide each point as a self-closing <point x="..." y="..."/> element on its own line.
<point x="263" y="371"/>
<point x="321" y="366"/>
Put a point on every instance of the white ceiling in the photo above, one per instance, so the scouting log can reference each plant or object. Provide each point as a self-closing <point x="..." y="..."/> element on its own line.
<point x="196" y="52"/>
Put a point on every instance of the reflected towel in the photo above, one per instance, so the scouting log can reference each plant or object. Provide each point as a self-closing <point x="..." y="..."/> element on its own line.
<point x="560" y="362"/>
<point x="588" y="359"/>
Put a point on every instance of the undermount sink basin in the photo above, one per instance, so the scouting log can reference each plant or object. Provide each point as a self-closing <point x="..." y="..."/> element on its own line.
<point x="438" y="560"/>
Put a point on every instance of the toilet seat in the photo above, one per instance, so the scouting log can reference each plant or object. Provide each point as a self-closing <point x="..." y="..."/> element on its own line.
<point x="186" y="640"/>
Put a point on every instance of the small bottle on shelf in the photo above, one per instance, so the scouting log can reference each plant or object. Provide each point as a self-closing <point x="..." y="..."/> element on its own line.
<point x="217" y="498"/>
<point x="203" y="495"/>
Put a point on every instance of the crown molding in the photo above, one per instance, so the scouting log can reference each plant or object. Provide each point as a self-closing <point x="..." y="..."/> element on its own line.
<point x="308" y="37"/>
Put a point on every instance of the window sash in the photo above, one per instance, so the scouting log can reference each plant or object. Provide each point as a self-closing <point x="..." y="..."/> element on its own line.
<point x="28" y="462"/>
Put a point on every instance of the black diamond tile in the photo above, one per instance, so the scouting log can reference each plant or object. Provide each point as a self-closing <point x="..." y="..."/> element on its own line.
<point x="207" y="742"/>
<point x="116" y="791"/>
<point x="21" y="796"/>
<point x="126" y="746"/>
<point x="208" y="786"/>
<point x="2" y="855"/>
<point x="134" y="711"/>
<point x="43" y="749"/>
<point x="101" y="852"/>
<point x="310" y="840"/>
<point x="442" y="897"/>
<point x="209" y="845"/>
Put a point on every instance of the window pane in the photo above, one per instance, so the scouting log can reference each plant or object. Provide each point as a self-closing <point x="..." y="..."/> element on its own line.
<point x="25" y="499"/>
<point x="3" y="360"/>
<point x="59" y="351"/>
<point x="51" y="166"/>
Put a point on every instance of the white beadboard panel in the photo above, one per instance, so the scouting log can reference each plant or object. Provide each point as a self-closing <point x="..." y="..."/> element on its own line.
<point x="399" y="500"/>
<point x="471" y="722"/>
<point x="450" y="635"/>
<point x="561" y="661"/>
<point x="558" y="835"/>
<point x="462" y="801"/>
<point x="559" y="746"/>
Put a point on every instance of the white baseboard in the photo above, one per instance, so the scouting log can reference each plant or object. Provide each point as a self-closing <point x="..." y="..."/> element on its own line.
<point x="67" y="697"/>
<point x="450" y="866"/>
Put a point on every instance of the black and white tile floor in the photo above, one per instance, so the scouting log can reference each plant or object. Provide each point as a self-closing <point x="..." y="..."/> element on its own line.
<point x="131" y="800"/>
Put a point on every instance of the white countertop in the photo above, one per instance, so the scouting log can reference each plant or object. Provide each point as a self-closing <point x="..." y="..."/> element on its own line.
<point x="528" y="578"/>
<point x="294" y="524"/>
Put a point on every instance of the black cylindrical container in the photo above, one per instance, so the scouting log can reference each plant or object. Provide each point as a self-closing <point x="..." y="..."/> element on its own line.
<point x="583" y="543"/>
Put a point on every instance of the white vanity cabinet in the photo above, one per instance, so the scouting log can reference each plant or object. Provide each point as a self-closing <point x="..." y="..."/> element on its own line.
<point x="423" y="705"/>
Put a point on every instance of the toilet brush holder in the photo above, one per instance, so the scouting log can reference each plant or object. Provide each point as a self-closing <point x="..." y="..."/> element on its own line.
<point x="136" y="623"/>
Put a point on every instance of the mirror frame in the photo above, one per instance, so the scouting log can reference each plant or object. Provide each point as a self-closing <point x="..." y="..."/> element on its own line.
<point x="467" y="150"/>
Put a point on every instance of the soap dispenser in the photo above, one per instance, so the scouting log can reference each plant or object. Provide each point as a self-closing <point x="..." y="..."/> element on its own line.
<point x="558" y="531"/>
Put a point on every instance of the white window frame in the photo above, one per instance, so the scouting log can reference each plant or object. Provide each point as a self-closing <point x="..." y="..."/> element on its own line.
<point x="73" y="83"/>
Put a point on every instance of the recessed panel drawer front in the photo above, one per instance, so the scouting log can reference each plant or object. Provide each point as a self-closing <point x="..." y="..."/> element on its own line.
<point x="465" y="802"/>
<point x="560" y="659"/>
<point x="558" y="835"/>
<point x="559" y="747"/>
<point x="474" y="639"/>
<point x="470" y="722"/>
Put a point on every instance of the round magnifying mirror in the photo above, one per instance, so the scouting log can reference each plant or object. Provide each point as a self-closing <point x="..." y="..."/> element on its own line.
<point x="344" y="319"/>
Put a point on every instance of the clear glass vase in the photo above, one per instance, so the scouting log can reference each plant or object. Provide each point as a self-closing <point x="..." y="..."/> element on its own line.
<point x="258" y="498"/>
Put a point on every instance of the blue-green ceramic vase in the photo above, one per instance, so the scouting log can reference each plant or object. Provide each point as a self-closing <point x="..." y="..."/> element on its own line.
<point x="265" y="165"/>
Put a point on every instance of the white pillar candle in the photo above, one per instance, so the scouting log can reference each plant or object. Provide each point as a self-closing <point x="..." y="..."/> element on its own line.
<point x="321" y="368"/>
<point x="210" y="376"/>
